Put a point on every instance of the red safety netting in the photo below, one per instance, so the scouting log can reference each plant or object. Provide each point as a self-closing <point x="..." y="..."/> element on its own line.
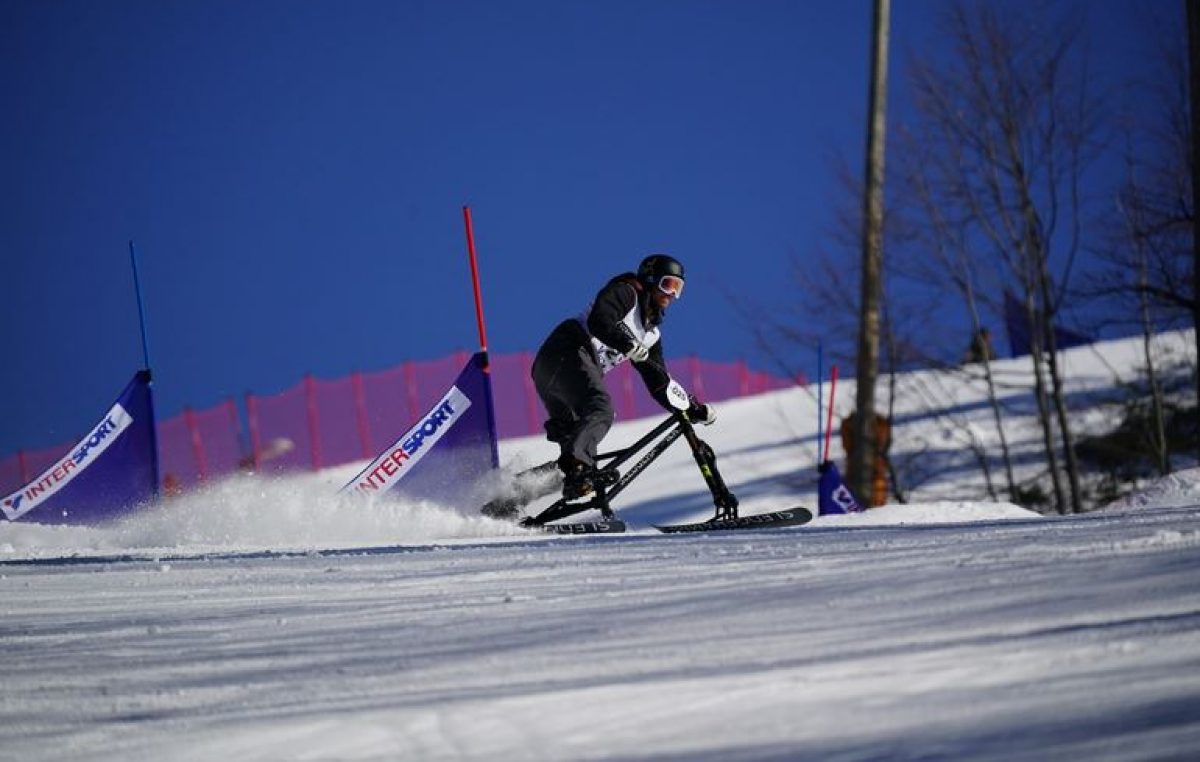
<point x="320" y="423"/>
<point x="279" y="426"/>
<point x="18" y="470"/>
<point x="518" y="410"/>
<point x="708" y="381"/>
<point x="199" y="444"/>
<point x="395" y="398"/>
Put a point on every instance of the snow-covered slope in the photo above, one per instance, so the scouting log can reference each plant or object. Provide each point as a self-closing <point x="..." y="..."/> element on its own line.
<point x="268" y="620"/>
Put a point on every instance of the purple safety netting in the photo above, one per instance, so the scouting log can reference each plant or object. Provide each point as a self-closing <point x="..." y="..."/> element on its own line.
<point x="11" y="475"/>
<point x="341" y="418"/>
<point x="199" y="444"/>
<point x="708" y="381"/>
<point x="279" y="426"/>
<point x="518" y="410"/>
<point x="395" y="398"/>
<point x="18" y="470"/>
<point x="320" y="423"/>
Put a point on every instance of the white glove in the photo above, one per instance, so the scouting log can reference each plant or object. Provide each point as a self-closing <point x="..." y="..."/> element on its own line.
<point x="639" y="352"/>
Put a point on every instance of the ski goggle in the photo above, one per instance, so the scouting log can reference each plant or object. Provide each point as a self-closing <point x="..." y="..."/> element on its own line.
<point x="671" y="285"/>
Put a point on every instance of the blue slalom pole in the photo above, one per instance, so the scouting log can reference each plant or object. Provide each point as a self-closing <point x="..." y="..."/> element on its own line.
<point x="820" y="397"/>
<point x="137" y="287"/>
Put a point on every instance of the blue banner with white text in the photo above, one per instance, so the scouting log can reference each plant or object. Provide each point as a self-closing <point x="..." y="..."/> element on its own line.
<point x="1020" y="335"/>
<point x="833" y="496"/>
<point x="446" y="453"/>
<point x="110" y="472"/>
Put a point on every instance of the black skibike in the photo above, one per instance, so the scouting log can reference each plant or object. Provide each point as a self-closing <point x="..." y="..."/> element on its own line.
<point x="545" y="479"/>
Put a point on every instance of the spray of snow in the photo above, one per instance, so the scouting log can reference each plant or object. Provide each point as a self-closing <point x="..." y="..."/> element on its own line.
<point x="243" y="513"/>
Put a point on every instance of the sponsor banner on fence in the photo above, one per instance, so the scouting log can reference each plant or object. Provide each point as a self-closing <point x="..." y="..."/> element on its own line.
<point x="397" y="461"/>
<point x="109" y="471"/>
<point x="445" y="453"/>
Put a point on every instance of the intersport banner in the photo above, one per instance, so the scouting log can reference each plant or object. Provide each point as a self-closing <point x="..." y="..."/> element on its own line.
<point x="446" y="452"/>
<point x="833" y="496"/>
<point x="112" y="470"/>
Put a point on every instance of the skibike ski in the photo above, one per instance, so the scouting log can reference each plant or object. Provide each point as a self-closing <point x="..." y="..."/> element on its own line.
<point x="545" y="479"/>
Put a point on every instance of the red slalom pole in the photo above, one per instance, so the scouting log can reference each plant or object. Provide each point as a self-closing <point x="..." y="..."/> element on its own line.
<point x="490" y="401"/>
<point x="829" y="418"/>
<point x="475" y="280"/>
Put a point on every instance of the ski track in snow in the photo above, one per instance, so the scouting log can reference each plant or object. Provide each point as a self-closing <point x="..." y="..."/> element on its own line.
<point x="1065" y="638"/>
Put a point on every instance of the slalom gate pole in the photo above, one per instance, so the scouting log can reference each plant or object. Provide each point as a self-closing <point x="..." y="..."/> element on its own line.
<point x="137" y="287"/>
<point x="829" y="420"/>
<point x="475" y="282"/>
<point x="483" y="345"/>
<point x="820" y="391"/>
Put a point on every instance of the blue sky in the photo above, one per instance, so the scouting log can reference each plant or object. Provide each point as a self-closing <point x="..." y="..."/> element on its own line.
<point x="294" y="172"/>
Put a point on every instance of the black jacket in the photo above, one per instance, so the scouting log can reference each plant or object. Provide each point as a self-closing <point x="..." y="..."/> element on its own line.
<point x="611" y="305"/>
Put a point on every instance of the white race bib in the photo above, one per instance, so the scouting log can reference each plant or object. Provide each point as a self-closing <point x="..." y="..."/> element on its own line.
<point x="611" y="358"/>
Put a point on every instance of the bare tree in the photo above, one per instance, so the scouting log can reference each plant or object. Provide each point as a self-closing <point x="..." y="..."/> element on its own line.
<point x="947" y="261"/>
<point x="1157" y="197"/>
<point x="1158" y="438"/>
<point x="1007" y="130"/>
<point x="1148" y="258"/>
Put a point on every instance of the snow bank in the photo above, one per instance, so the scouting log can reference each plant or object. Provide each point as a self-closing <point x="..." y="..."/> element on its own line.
<point x="942" y="512"/>
<point x="1178" y="489"/>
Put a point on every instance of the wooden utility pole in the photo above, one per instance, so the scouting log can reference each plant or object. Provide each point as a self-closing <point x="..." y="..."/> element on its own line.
<point x="862" y="451"/>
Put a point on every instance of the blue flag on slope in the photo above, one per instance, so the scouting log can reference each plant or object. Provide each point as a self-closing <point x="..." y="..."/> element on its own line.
<point x="444" y="455"/>
<point x="109" y="472"/>
<point x="1020" y="335"/>
<point x="833" y="496"/>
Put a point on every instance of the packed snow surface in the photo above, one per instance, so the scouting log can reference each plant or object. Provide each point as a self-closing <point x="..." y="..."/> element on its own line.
<point x="267" y="619"/>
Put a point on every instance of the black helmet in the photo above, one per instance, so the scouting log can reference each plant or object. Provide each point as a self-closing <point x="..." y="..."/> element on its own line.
<point x="662" y="273"/>
<point x="656" y="266"/>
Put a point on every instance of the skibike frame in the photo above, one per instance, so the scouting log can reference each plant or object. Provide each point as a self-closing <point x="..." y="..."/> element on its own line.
<point x="676" y="425"/>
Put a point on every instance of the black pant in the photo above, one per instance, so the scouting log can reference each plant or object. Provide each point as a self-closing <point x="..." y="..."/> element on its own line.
<point x="568" y="379"/>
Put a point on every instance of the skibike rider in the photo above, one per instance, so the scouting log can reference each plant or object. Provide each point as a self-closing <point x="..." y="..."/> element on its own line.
<point x="621" y="323"/>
